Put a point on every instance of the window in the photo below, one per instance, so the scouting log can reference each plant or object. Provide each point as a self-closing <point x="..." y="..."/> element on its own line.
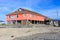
<point x="19" y="9"/>
<point x="17" y="15"/>
<point x="9" y="16"/>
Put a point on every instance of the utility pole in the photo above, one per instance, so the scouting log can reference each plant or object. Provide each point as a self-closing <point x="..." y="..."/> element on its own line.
<point x="56" y="23"/>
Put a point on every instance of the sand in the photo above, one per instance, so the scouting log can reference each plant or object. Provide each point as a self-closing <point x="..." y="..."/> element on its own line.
<point x="11" y="33"/>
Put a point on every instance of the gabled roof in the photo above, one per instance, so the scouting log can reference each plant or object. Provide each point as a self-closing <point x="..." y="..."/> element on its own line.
<point x="16" y="12"/>
<point x="19" y="12"/>
<point x="34" y="12"/>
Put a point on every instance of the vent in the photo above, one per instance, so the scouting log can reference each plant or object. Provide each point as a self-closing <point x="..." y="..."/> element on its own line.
<point x="19" y="9"/>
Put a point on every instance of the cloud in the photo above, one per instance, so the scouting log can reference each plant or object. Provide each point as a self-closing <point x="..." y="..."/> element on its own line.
<point x="51" y="13"/>
<point x="4" y="9"/>
<point x="28" y="4"/>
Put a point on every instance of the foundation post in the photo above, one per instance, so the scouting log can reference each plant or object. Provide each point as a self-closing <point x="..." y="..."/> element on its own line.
<point x="31" y="21"/>
<point x="37" y="22"/>
<point x="26" y="22"/>
<point x="34" y="21"/>
<point x="16" y="22"/>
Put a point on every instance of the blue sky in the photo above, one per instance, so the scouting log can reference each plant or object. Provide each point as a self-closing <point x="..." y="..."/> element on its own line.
<point x="46" y="7"/>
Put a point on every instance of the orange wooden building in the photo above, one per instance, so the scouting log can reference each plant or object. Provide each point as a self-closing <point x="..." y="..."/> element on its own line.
<point x="25" y="15"/>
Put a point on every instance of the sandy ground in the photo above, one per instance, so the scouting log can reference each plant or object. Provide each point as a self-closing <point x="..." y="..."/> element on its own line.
<point x="41" y="36"/>
<point x="11" y="33"/>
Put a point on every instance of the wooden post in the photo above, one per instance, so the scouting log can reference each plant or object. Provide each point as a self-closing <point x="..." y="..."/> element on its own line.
<point x="16" y="22"/>
<point x="31" y="21"/>
<point x="34" y="21"/>
<point x="37" y="22"/>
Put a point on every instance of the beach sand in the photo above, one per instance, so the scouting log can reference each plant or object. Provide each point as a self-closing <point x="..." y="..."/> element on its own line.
<point x="11" y="33"/>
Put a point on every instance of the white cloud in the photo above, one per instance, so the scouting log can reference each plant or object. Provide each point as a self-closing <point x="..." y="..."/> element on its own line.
<point x="4" y="9"/>
<point x="52" y="13"/>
